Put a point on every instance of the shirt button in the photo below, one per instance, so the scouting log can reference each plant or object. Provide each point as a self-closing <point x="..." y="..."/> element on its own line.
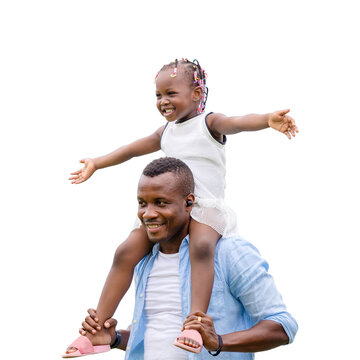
<point x="141" y="295"/>
<point x="134" y="321"/>
<point x="128" y="348"/>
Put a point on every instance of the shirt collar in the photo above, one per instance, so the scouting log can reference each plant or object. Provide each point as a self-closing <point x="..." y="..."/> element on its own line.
<point x="156" y="247"/>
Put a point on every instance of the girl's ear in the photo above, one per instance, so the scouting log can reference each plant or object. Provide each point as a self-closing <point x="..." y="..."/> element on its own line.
<point x="197" y="93"/>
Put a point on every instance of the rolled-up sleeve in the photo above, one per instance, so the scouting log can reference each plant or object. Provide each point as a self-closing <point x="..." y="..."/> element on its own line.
<point x="251" y="283"/>
<point x="288" y="323"/>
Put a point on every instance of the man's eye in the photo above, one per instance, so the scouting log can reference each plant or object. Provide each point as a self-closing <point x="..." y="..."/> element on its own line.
<point x="158" y="96"/>
<point x="172" y="93"/>
<point x="141" y="203"/>
<point x="161" y="203"/>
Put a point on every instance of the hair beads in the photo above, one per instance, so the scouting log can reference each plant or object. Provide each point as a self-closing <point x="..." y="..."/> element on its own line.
<point x="174" y="73"/>
<point x="200" y="81"/>
<point x="175" y="69"/>
<point x="196" y="75"/>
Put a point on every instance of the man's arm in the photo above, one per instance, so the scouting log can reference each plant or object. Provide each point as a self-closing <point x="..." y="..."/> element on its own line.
<point x="265" y="335"/>
<point x="252" y="285"/>
<point x="125" y="334"/>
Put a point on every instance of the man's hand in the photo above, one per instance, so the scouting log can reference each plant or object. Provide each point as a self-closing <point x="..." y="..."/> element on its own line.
<point x="279" y="121"/>
<point x="205" y="327"/>
<point x="84" y="173"/>
<point x="91" y="325"/>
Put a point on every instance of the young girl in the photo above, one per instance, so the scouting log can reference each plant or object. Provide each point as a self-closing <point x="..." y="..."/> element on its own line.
<point x="198" y="139"/>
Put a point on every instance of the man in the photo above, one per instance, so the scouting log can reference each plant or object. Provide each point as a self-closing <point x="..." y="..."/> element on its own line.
<point x="246" y="312"/>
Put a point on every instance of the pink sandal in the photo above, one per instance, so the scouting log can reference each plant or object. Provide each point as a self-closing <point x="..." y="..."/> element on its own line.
<point x="85" y="347"/>
<point x="193" y="335"/>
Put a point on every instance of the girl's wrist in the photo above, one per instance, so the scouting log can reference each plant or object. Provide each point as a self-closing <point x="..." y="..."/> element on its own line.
<point x="268" y="118"/>
<point x="96" y="163"/>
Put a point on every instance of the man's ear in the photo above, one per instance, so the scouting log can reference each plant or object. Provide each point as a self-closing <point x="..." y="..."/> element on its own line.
<point x="189" y="201"/>
<point x="197" y="93"/>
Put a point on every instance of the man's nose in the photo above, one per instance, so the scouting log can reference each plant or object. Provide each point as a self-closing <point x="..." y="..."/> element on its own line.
<point x="149" y="212"/>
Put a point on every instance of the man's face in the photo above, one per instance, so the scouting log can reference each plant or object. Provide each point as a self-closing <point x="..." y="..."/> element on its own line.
<point x="162" y="210"/>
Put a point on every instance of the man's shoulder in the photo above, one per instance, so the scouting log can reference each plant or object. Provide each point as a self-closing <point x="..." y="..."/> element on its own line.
<point x="231" y="243"/>
<point x="236" y="251"/>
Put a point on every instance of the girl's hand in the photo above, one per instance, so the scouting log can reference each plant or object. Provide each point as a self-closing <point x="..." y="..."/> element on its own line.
<point x="84" y="173"/>
<point x="279" y="121"/>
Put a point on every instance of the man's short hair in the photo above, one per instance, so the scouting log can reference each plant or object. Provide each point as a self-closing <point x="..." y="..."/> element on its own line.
<point x="175" y="166"/>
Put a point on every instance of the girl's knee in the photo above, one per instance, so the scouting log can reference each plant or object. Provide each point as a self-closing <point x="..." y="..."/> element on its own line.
<point x="121" y="255"/>
<point x="202" y="249"/>
<point x="132" y="250"/>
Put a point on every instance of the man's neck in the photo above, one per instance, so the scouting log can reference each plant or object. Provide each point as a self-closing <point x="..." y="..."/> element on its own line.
<point x="171" y="246"/>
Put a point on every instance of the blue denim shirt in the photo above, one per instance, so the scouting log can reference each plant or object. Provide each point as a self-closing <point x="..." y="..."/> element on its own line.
<point x="243" y="294"/>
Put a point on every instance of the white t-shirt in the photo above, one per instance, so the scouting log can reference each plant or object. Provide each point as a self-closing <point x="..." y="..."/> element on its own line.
<point x="163" y="310"/>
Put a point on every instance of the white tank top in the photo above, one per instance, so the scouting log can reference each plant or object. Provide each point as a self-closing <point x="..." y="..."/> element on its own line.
<point x="192" y="142"/>
<point x="163" y="310"/>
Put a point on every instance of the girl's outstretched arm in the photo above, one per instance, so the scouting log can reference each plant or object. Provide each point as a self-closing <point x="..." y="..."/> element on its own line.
<point x="139" y="147"/>
<point x="220" y="124"/>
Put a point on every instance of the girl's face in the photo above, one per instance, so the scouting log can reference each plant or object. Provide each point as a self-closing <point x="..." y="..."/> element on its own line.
<point x="176" y="98"/>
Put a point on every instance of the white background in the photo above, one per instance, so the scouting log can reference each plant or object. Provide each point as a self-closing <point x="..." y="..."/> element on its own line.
<point x="77" y="81"/>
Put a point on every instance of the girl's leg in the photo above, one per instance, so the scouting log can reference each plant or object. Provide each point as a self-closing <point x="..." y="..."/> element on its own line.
<point x="203" y="240"/>
<point x="127" y="255"/>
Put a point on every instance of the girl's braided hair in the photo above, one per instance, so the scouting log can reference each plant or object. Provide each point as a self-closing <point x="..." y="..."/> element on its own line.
<point x="195" y="74"/>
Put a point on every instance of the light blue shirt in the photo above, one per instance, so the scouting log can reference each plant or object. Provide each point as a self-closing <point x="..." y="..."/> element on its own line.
<point x="244" y="293"/>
